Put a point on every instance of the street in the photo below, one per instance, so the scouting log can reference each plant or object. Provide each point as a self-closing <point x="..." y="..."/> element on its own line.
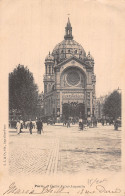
<point x="65" y="150"/>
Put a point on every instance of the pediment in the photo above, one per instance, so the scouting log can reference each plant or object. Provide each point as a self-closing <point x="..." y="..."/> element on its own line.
<point x="74" y="61"/>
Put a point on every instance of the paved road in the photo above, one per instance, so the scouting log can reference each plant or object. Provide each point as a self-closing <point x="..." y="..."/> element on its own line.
<point x="65" y="150"/>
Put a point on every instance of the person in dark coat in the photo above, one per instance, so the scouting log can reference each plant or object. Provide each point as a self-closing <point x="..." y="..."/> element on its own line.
<point x="116" y="125"/>
<point x="30" y="127"/>
<point x="103" y="122"/>
<point x="39" y="126"/>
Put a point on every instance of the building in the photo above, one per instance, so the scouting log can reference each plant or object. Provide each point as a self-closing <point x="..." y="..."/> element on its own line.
<point x="40" y="105"/>
<point x="99" y="103"/>
<point x="69" y="80"/>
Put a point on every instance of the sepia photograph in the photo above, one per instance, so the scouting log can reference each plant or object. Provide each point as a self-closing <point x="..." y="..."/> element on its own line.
<point x="62" y="79"/>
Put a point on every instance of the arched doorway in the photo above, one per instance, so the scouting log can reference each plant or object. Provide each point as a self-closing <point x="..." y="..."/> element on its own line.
<point x="73" y="109"/>
<point x="80" y="110"/>
<point x="65" y="111"/>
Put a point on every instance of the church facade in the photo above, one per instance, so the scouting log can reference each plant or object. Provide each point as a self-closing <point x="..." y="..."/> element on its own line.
<point x="69" y="80"/>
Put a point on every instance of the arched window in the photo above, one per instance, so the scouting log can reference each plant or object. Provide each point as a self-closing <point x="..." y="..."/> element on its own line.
<point x="49" y="69"/>
<point x="49" y="87"/>
<point x="69" y="51"/>
<point x="45" y="88"/>
<point x="75" y="51"/>
<point x="52" y="70"/>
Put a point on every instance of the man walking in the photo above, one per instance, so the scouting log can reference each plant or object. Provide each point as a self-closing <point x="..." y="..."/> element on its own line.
<point x="21" y="125"/>
<point x="116" y="125"/>
<point x="30" y="126"/>
<point x="39" y="126"/>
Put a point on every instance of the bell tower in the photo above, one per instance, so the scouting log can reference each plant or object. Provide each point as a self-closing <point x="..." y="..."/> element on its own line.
<point x="49" y="73"/>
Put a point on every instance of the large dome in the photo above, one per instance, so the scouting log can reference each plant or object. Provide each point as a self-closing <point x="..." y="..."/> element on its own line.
<point x="68" y="47"/>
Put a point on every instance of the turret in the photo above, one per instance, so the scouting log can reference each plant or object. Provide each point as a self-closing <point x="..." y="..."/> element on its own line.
<point x="89" y="60"/>
<point x="49" y="64"/>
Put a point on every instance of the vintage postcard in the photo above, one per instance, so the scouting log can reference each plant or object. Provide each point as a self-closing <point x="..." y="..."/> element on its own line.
<point x="62" y="97"/>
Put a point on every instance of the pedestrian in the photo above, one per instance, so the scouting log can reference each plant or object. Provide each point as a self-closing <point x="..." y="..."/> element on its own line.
<point x="80" y="124"/>
<point x="42" y="126"/>
<point x="88" y="122"/>
<point x="39" y="126"/>
<point x="116" y="125"/>
<point x="68" y="123"/>
<point x="103" y="122"/>
<point x="94" y="122"/>
<point x="30" y="126"/>
<point x="18" y="127"/>
<point x="64" y="122"/>
<point x="21" y="125"/>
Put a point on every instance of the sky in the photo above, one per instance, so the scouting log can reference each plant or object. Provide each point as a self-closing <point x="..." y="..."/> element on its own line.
<point x="29" y="29"/>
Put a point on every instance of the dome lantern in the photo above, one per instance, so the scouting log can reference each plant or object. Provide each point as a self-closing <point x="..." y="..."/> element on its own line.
<point x="68" y="31"/>
<point x="68" y="47"/>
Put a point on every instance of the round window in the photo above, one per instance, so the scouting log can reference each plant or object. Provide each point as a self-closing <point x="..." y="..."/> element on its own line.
<point x="73" y="78"/>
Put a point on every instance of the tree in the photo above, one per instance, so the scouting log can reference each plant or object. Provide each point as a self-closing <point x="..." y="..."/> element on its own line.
<point x="112" y="105"/>
<point x="23" y="92"/>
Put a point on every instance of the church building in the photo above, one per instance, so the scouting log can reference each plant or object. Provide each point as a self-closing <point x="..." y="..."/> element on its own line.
<point x="69" y="80"/>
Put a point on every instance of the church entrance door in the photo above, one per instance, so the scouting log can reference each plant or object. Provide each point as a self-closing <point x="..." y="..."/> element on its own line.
<point x="74" y="110"/>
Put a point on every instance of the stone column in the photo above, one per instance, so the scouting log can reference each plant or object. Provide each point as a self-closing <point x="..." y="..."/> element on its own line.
<point x="57" y="80"/>
<point x="85" y="102"/>
<point x="52" y="69"/>
<point x="46" y="69"/>
<point x="91" y="103"/>
<point x="60" y="103"/>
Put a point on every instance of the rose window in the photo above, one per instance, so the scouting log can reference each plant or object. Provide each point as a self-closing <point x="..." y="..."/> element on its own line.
<point x="73" y="78"/>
